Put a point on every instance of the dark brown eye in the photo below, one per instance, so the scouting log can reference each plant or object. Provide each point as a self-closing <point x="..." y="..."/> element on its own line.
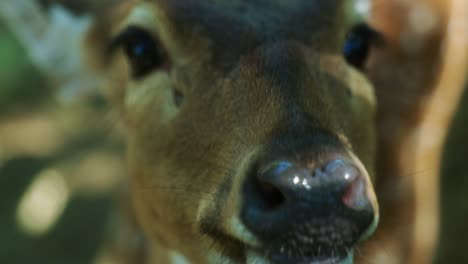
<point x="358" y="43"/>
<point x="145" y="54"/>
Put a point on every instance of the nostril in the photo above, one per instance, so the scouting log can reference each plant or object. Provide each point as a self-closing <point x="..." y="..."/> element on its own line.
<point x="270" y="195"/>
<point x="268" y="181"/>
<point x="321" y="194"/>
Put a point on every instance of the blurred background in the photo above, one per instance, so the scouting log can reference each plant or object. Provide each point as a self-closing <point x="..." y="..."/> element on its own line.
<point x="61" y="167"/>
<point x="62" y="171"/>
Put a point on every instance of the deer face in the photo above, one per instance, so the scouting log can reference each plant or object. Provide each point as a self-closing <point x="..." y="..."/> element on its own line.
<point x="250" y="136"/>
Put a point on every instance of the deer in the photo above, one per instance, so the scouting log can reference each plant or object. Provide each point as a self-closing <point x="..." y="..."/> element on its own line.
<point x="250" y="139"/>
<point x="282" y="131"/>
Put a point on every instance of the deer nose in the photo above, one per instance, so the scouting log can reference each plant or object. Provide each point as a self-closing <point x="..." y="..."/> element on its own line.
<point x="326" y="203"/>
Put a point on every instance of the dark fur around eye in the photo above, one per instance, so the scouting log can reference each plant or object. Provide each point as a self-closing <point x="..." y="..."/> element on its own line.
<point x="144" y="53"/>
<point x="358" y="43"/>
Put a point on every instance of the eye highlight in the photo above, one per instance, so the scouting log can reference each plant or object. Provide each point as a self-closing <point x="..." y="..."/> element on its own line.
<point x="358" y="43"/>
<point x="144" y="53"/>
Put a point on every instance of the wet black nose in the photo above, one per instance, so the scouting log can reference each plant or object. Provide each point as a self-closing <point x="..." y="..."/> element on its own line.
<point x="322" y="205"/>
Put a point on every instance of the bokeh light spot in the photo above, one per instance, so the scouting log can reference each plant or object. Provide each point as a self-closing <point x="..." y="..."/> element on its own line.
<point x="43" y="203"/>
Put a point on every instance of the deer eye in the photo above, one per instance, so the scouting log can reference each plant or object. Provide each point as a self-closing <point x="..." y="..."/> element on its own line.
<point x="358" y="43"/>
<point x="144" y="53"/>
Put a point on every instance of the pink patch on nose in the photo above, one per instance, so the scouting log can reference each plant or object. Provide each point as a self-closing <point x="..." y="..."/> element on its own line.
<point x="355" y="196"/>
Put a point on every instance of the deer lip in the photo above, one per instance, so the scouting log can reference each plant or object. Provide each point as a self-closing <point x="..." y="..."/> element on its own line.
<point x="323" y="243"/>
<point x="285" y="259"/>
<point x="281" y="258"/>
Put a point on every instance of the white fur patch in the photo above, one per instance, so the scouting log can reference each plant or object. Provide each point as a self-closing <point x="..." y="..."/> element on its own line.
<point x="240" y="231"/>
<point x="177" y="258"/>
<point x="216" y="258"/>
<point x="254" y="258"/>
<point x="349" y="259"/>
<point x="142" y="15"/>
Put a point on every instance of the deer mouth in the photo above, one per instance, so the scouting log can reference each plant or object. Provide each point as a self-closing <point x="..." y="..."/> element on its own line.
<point x="339" y="257"/>
<point x="330" y="242"/>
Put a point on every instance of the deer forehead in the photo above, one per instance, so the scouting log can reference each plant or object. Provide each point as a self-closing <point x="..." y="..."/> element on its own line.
<point x="192" y="30"/>
<point x="225" y="31"/>
<point x="317" y="22"/>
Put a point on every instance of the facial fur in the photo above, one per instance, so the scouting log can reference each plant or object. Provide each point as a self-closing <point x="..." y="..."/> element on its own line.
<point x="247" y="79"/>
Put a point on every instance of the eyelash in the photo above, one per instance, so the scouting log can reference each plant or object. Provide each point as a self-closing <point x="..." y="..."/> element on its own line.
<point x="358" y="42"/>
<point x="145" y="54"/>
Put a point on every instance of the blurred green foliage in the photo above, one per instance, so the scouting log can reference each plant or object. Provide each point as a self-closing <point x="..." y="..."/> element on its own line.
<point x="454" y="191"/>
<point x="78" y="235"/>
<point x="75" y="239"/>
<point x="20" y="83"/>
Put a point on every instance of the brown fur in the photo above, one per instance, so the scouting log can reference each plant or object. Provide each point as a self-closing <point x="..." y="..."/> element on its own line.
<point x="243" y="90"/>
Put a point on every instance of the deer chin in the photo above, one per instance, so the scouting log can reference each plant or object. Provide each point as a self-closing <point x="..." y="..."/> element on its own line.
<point x="259" y="253"/>
<point x="255" y="257"/>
